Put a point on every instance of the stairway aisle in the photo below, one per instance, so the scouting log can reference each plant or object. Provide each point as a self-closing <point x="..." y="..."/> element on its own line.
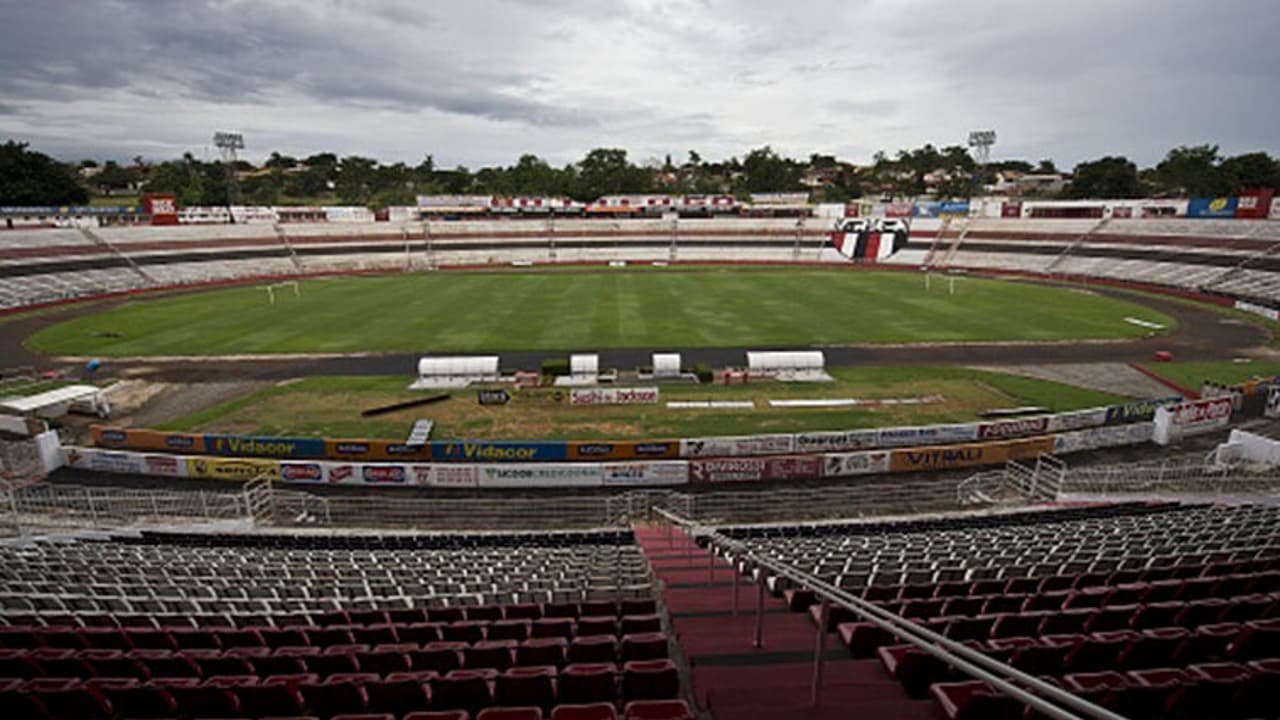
<point x="732" y="679"/>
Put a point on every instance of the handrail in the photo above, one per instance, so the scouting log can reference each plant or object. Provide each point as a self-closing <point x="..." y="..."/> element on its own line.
<point x="1000" y="676"/>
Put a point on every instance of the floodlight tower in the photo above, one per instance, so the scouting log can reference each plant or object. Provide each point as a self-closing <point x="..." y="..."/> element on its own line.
<point x="228" y="143"/>
<point x="980" y="142"/>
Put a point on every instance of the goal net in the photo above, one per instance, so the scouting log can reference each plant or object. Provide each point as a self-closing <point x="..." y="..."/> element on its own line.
<point x="282" y="287"/>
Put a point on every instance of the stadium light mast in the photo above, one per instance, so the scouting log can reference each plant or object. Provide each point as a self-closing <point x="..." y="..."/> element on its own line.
<point x="228" y="144"/>
<point x="980" y="142"/>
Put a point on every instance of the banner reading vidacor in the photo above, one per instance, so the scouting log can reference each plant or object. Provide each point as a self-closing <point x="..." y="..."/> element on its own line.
<point x="273" y="447"/>
<point x="137" y="439"/>
<point x="487" y="451"/>
<point x="737" y="446"/>
<point x="1137" y="411"/>
<point x="970" y="455"/>
<point x="624" y="450"/>
<point x="1175" y="421"/>
<point x="241" y="469"/>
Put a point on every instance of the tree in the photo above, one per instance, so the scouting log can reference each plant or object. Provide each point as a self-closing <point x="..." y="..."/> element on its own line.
<point x="32" y="178"/>
<point x="1251" y="170"/>
<point x="1046" y="167"/>
<point x="606" y="171"/>
<point x="281" y="162"/>
<point x="1192" y="171"/>
<point x="357" y="179"/>
<point x="766" y="171"/>
<point x="1108" y="177"/>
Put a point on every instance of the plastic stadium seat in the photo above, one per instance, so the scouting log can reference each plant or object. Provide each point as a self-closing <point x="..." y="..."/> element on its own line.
<point x="1153" y="648"/>
<point x="438" y="715"/>
<point x="588" y="683"/>
<point x="643" y="646"/>
<point x="419" y="633"/>
<point x="328" y="635"/>
<point x="522" y="611"/>
<point x="595" y="608"/>
<point x="334" y="660"/>
<point x="974" y="700"/>
<point x="1066" y="621"/>
<point x="915" y="669"/>
<point x="496" y="654"/>
<point x="150" y="639"/>
<point x="593" y="649"/>
<point x="650" y="680"/>
<point x="239" y="637"/>
<point x="552" y="627"/>
<point x="135" y="700"/>
<point x="527" y="686"/>
<point x="632" y="624"/>
<point x="363" y="716"/>
<point x="638" y="606"/>
<point x="268" y="699"/>
<point x="60" y="663"/>
<point x="373" y="635"/>
<point x="468" y="631"/>
<point x="599" y="625"/>
<point x="1097" y="652"/>
<point x="484" y="613"/>
<point x="462" y="690"/>
<point x="438" y="656"/>
<point x="337" y="694"/>
<point x="195" y="639"/>
<point x="400" y="693"/>
<point x="406" y="616"/>
<point x="105" y="639"/>
<point x="367" y="616"/>
<point x="510" y="630"/>
<point x="542" y="651"/>
<point x="18" y="664"/>
<point x="592" y="711"/>
<point x="445" y="614"/>
<point x="62" y="637"/>
<point x="1212" y="691"/>
<point x="274" y="637"/>
<point x="560" y="610"/>
<point x="18" y="703"/>
<point x="71" y="700"/>
<point x="1257" y="640"/>
<point x="510" y="713"/>
<point x="112" y="664"/>
<point x="385" y="659"/>
<point x="657" y="710"/>
<point x="1043" y="658"/>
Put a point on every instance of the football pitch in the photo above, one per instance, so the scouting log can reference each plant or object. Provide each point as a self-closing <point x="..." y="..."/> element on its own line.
<point x="592" y="309"/>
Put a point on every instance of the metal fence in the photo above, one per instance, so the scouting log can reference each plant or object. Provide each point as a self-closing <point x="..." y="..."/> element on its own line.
<point x="1188" y="475"/>
<point x="45" y="505"/>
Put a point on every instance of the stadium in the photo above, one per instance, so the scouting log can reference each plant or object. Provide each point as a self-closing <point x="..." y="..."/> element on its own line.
<point x="652" y="457"/>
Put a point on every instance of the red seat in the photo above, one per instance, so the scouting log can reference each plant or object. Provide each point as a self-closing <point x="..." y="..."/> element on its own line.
<point x="970" y="628"/>
<point x="373" y="635"/>
<point x="419" y="633"/>
<point x="326" y="636"/>
<point x="924" y="608"/>
<point x="593" y="711"/>
<point x="462" y="690"/>
<point x="599" y="625"/>
<point x="638" y="606"/>
<point x="406" y="616"/>
<point x="445" y="614"/>
<point x="267" y="699"/>
<point x="496" y="654"/>
<point x="19" y="637"/>
<point x="441" y="657"/>
<point x="632" y="624"/>
<point x="510" y="630"/>
<point x="1002" y="604"/>
<point x="70" y="699"/>
<point x="1112" y="617"/>
<point x="588" y="683"/>
<point x="552" y="627"/>
<point x="467" y="631"/>
<point x="914" y="668"/>
<point x="18" y="664"/>
<point x="62" y="637"/>
<point x="590" y="608"/>
<point x="1157" y="614"/>
<point x="1207" y="642"/>
<point x="962" y="606"/>
<point x="1045" y="658"/>
<point x="542" y="651"/>
<point x="650" y="680"/>
<point x="60" y="663"/>
<point x="112" y="664"/>
<point x="643" y="646"/>
<point x="510" y="713"/>
<point x="385" y="659"/>
<point x="239" y="637"/>
<point x="1257" y="640"/>
<point x="1022" y="624"/>
<point x="1097" y="652"/>
<point x="18" y="703"/>
<point x="560" y="610"/>
<point x="1153" y="648"/>
<point x="522" y="611"/>
<point x="485" y="613"/>
<point x="135" y="700"/>
<point x="657" y="710"/>
<point x="593" y="649"/>
<point x="527" y="686"/>
<point x="1071" y="620"/>
<point x="1201" y="612"/>
<point x="1212" y="691"/>
<point x="106" y="638"/>
<point x="400" y="693"/>
<point x="151" y="639"/>
<point x="336" y="695"/>
<point x="974" y="700"/>
<point x="439" y="715"/>
<point x="197" y="699"/>
<point x="274" y="637"/>
<point x="1094" y="597"/>
<point x="362" y="716"/>
<point x="862" y="638"/>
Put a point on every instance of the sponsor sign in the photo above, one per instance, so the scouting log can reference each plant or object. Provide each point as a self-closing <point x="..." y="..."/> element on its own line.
<point x="165" y="465"/>
<point x="454" y="476"/>
<point x="539" y="475"/>
<point x="747" y="469"/>
<point x="1263" y="310"/>
<point x="340" y="474"/>
<point x="375" y="450"/>
<point x="1272" y="410"/>
<point x="295" y="472"/>
<point x="1136" y="411"/>
<point x="1189" y="418"/>
<point x="953" y="207"/>
<point x="898" y="210"/>
<point x="613" y="396"/>
<point x="927" y="435"/>
<point x="276" y="447"/>
<point x="670" y="472"/>
<point x="1078" y="420"/>
<point x="624" y="450"/>
<point x="1018" y="427"/>
<point x="485" y="451"/>
<point x="738" y="446"/>
<point x="384" y="474"/>
<point x="105" y="460"/>
<point x="927" y="209"/>
<point x="818" y="442"/>
<point x="146" y="440"/>
<point x="970" y="455"/>
<point x="859" y="463"/>
<point x="493" y="397"/>
<point x="1219" y="207"/>
<point x="240" y="469"/>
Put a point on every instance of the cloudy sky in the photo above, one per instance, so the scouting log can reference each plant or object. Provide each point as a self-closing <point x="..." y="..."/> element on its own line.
<point x="479" y="82"/>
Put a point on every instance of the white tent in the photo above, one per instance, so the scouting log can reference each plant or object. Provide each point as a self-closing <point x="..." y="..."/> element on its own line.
<point x="456" y="371"/>
<point x="666" y="365"/>
<point x="800" y="366"/>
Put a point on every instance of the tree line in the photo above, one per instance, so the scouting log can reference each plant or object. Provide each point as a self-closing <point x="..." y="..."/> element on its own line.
<point x="28" y="177"/>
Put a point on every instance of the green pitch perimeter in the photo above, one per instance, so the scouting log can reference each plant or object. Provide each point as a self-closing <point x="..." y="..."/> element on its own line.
<point x="596" y="309"/>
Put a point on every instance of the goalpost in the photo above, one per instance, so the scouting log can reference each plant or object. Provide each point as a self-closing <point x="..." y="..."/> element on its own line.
<point x="273" y="287"/>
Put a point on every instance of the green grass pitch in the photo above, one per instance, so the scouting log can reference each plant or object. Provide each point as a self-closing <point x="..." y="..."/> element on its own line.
<point x="596" y="309"/>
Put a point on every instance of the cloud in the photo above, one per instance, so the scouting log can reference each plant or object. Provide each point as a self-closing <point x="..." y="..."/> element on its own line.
<point x="481" y="82"/>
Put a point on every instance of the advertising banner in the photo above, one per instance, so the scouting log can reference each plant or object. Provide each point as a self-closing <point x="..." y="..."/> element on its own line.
<point x="450" y="476"/>
<point x="162" y="207"/>
<point x="970" y="455"/>
<point x="384" y="474"/>
<point x="1011" y="210"/>
<point x="624" y="450"/>
<point x="1136" y="411"/>
<point x="1068" y="442"/>
<point x="1017" y="427"/>
<point x="137" y="439"/>
<point x="1189" y="418"/>
<point x="926" y="435"/>
<point x="860" y="463"/>
<point x="540" y="475"/>
<point x="613" y="396"/>
<point x="669" y="472"/>
<point x="838" y="441"/>
<point x="953" y="207"/>
<point x="105" y="460"/>
<point x="486" y="451"/>
<point x="373" y="450"/>
<point x="927" y="209"/>
<point x="240" y="469"/>
<point x="1263" y="310"/>
<point x="302" y="472"/>
<point x="1254" y="204"/>
<point x="165" y="465"/>
<point x="755" y="468"/>
<point x="1220" y="207"/>
<point x="275" y="447"/>
<point x="899" y="210"/>
<point x="1078" y="420"/>
<point x="737" y="446"/>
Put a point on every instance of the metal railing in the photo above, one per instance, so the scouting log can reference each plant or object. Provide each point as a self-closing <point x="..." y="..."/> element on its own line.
<point x="45" y="505"/>
<point x="1193" y="475"/>
<point x="868" y="497"/>
<point x="1046" y="698"/>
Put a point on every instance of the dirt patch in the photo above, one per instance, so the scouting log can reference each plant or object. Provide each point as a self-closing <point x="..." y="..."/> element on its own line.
<point x="1109" y="377"/>
<point x="147" y="403"/>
